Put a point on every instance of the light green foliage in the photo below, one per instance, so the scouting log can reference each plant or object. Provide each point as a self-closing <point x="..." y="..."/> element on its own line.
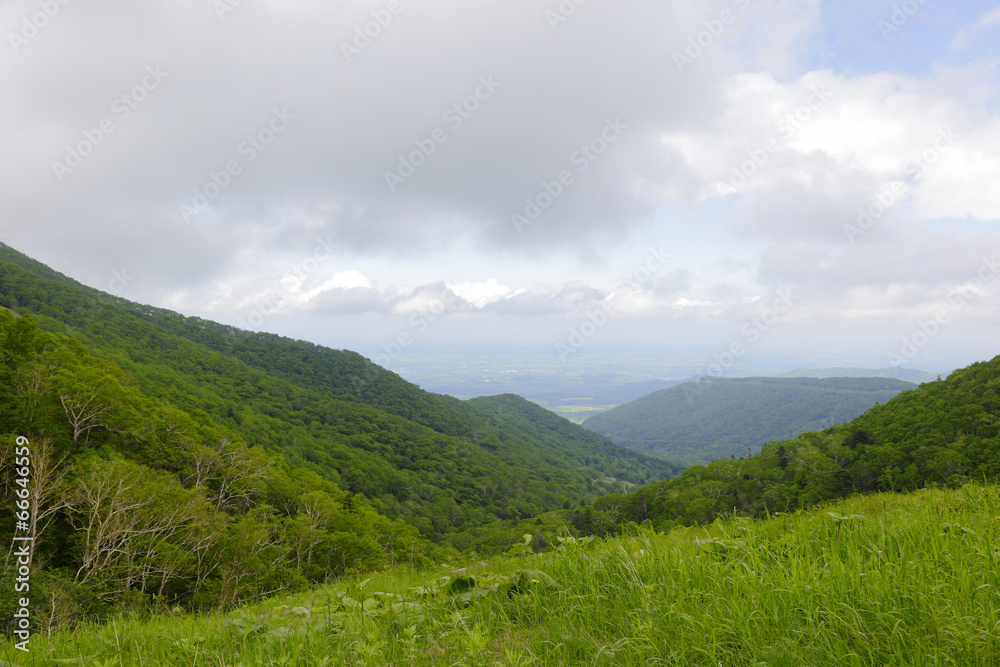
<point x="916" y="582"/>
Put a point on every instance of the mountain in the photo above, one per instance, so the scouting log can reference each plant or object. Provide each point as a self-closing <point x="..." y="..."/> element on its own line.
<point x="440" y="464"/>
<point x="717" y="418"/>
<point x="906" y="374"/>
<point x="943" y="433"/>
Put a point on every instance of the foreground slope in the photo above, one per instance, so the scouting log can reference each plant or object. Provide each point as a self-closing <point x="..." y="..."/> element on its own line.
<point x="877" y="580"/>
<point x="431" y="460"/>
<point x="711" y="419"/>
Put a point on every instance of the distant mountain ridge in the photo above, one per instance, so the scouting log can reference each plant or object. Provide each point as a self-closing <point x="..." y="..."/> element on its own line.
<point x="941" y="434"/>
<point x="719" y="418"/>
<point x="906" y="374"/>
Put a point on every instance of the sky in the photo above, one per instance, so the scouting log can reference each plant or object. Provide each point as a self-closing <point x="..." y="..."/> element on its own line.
<point x="752" y="179"/>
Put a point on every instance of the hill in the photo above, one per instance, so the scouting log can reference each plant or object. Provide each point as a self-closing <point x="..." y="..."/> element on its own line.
<point x="906" y="374"/>
<point x="418" y="456"/>
<point x="277" y="463"/>
<point x="885" y="579"/>
<point x="943" y="433"/>
<point x="715" y="418"/>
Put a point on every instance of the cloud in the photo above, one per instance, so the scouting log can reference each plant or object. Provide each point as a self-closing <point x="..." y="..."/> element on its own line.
<point x="263" y="167"/>
<point x="482" y="294"/>
<point x="348" y="124"/>
<point x="990" y="18"/>
<point x="921" y="259"/>
<point x="968" y="35"/>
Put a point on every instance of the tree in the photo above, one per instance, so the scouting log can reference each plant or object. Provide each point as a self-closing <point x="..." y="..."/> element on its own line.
<point x="45" y="490"/>
<point x="254" y="559"/>
<point x="130" y="520"/>
<point x="94" y="394"/>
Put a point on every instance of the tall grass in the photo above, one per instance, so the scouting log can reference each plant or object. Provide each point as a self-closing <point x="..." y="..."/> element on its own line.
<point x="875" y="580"/>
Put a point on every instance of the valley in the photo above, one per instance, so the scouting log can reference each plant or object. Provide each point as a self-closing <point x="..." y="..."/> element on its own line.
<point x="378" y="333"/>
<point x="306" y="505"/>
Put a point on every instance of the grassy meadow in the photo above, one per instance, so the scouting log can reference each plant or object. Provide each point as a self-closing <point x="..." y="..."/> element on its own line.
<point x="881" y="580"/>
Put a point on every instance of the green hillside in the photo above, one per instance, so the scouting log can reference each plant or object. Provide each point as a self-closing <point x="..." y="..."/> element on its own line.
<point x="128" y="503"/>
<point x="248" y="463"/>
<point x="943" y="433"/>
<point x="697" y="422"/>
<point x="428" y="459"/>
<point x="874" y="581"/>
<point x="180" y="469"/>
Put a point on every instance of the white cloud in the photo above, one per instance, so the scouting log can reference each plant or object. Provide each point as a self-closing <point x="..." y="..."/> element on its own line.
<point x="482" y="294"/>
<point x="990" y="18"/>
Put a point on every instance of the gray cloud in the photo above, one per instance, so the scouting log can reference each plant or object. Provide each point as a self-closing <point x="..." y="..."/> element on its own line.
<point x="212" y="156"/>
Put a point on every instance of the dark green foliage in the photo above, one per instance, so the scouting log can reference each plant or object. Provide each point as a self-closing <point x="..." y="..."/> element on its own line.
<point x="133" y="503"/>
<point x="943" y="433"/>
<point x="441" y="465"/>
<point x="712" y="419"/>
<point x="554" y="439"/>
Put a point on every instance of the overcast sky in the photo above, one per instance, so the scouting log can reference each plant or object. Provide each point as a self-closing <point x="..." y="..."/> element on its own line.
<point x="802" y="178"/>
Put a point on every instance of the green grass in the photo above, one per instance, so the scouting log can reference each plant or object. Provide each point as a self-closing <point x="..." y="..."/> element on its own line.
<point x="875" y="580"/>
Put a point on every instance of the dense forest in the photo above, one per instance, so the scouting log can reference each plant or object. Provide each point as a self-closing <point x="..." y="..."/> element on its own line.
<point x="133" y="502"/>
<point x="942" y="434"/>
<point x="698" y="422"/>
<point x="443" y="465"/>
<point x="181" y="462"/>
<point x="178" y="463"/>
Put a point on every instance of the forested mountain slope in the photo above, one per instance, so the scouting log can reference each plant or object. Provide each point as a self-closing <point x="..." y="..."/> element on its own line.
<point x="127" y="501"/>
<point x="943" y="433"/>
<point x="697" y="422"/>
<point x="439" y="464"/>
